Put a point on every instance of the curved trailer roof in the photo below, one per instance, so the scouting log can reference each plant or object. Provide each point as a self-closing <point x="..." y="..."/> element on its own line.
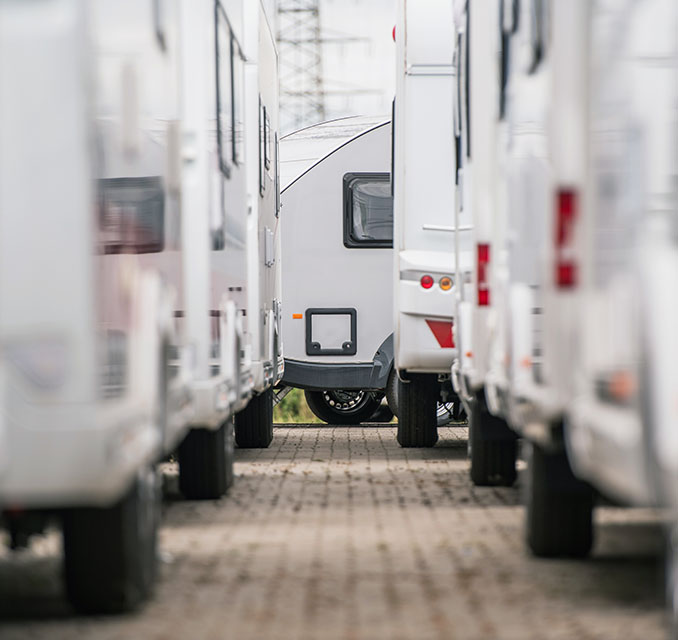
<point x="303" y="149"/>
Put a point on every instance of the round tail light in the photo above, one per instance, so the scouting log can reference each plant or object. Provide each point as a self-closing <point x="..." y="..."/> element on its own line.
<point x="445" y="283"/>
<point x="426" y="282"/>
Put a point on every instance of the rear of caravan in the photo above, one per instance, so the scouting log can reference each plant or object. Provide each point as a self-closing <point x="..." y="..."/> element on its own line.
<point x="424" y="212"/>
<point x="337" y="239"/>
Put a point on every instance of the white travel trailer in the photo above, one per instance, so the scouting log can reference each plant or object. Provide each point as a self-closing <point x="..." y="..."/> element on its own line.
<point x="540" y="168"/>
<point x="527" y="159"/>
<point x="559" y="504"/>
<point x="590" y="110"/>
<point x="621" y="424"/>
<point x="424" y="204"/>
<point x="492" y="444"/>
<point x="89" y="212"/>
<point x="230" y="225"/>
<point x="254" y="425"/>
<point x="146" y="238"/>
<point x="338" y="212"/>
<point x="514" y="371"/>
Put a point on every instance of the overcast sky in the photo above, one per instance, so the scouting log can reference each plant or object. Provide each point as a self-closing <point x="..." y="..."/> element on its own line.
<point x="365" y="65"/>
<point x="358" y="75"/>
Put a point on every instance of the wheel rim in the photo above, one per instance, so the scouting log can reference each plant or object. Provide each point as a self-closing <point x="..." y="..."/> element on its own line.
<point x="444" y="413"/>
<point x="345" y="401"/>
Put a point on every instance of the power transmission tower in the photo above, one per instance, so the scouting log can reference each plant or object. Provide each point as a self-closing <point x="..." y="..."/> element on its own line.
<point x="302" y="94"/>
<point x="303" y="86"/>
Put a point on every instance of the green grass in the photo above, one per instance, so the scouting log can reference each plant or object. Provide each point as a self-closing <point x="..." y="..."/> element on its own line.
<point x="293" y="409"/>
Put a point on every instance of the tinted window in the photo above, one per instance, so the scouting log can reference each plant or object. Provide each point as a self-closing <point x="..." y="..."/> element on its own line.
<point x="368" y="210"/>
<point x="131" y="215"/>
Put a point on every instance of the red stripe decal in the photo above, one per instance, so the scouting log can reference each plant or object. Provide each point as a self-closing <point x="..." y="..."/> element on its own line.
<point x="442" y="330"/>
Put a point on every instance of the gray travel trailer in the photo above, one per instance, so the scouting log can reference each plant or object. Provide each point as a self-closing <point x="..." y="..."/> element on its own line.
<point x="337" y="265"/>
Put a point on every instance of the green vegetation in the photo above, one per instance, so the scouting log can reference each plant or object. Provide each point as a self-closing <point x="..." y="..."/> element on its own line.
<point x="293" y="409"/>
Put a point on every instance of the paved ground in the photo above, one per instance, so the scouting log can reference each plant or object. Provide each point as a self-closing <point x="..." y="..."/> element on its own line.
<point x="339" y="533"/>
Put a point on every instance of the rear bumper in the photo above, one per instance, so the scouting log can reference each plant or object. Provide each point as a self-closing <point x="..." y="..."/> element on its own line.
<point x="70" y="456"/>
<point x="351" y="376"/>
<point x="607" y="447"/>
<point x="214" y="400"/>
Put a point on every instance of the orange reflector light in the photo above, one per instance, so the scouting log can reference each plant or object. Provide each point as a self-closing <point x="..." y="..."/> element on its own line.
<point x="442" y="330"/>
<point x="469" y="354"/>
<point x="426" y="282"/>
<point x="297" y="316"/>
<point x="445" y="283"/>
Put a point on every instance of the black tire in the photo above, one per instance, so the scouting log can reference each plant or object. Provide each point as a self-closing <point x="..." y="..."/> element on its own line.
<point x="336" y="406"/>
<point x="417" y="404"/>
<point x="110" y="554"/>
<point x="458" y="411"/>
<point x="559" y="507"/>
<point x="671" y="578"/>
<point x="493" y="449"/>
<point x="206" y="462"/>
<point x="444" y="411"/>
<point x="254" y="424"/>
<point x="382" y="414"/>
<point x="392" y="392"/>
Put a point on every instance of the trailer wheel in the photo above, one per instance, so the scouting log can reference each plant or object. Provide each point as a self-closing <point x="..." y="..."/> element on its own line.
<point x="559" y="507"/>
<point x="110" y="553"/>
<point x="254" y="424"/>
<point x="446" y="412"/>
<point x="339" y="406"/>
<point x="671" y="578"/>
<point x="417" y="406"/>
<point x="206" y="462"/>
<point x="382" y="414"/>
<point x="493" y="448"/>
<point x="392" y="392"/>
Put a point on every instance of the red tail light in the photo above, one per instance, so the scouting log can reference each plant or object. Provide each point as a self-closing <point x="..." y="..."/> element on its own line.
<point x="565" y="263"/>
<point x="426" y="282"/>
<point x="483" y="274"/>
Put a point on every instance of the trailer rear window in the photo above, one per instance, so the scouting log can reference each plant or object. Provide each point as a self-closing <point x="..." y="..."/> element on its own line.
<point x="368" y="210"/>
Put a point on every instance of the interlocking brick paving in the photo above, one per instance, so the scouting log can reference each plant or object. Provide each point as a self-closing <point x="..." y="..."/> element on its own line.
<point x="337" y="532"/>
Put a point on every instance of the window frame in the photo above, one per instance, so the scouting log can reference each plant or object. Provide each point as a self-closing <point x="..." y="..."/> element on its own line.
<point x="538" y="26"/>
<point x="277" y="176"/>
<point x="349" y="181"/>
<point x="237" y="102"/>
<point x="262" y="179"/>
<point x="466" y="65"/>
<point x="267" y="139"/>
<point x="159" y="24"/>
<point x="220" y="18"/>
